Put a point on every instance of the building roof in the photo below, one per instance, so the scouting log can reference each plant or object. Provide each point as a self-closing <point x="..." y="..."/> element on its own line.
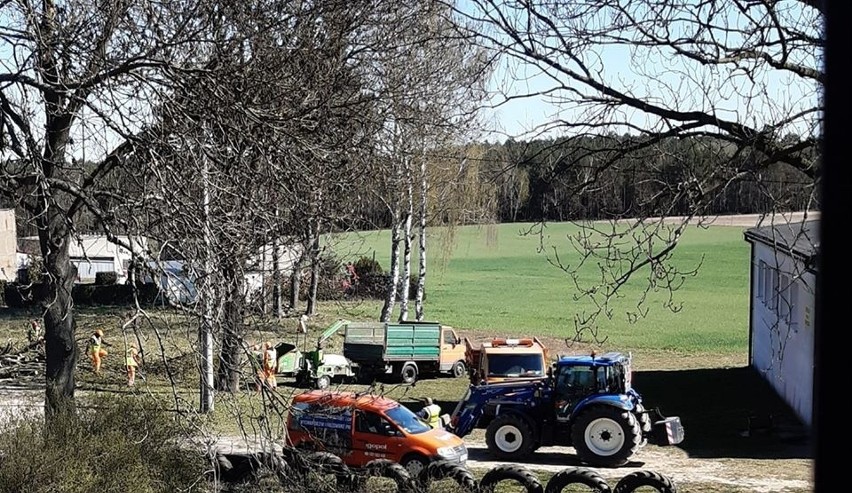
<point x="798" y="238"/>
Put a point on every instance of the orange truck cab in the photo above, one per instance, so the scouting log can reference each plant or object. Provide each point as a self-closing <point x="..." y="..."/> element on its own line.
<point x="502" y="360"/>
<point x="360" y="428"/>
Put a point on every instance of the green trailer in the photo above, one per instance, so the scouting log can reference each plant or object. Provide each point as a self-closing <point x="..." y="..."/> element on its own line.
<point x="404" y="350"/>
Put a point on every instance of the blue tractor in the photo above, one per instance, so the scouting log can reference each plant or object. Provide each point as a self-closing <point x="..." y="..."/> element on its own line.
<point x="585" y="402"/>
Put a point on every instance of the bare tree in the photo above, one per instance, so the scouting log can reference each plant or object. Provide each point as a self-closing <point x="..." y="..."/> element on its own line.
<point x="743" y="79"/>
<point x="73" y="76"/>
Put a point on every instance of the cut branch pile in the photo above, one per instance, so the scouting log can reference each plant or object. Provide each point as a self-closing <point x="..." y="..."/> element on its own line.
<point x="21" y="364"/>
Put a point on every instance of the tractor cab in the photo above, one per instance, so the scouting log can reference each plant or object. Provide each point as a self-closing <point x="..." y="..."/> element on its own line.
<point x="577" y="378"/>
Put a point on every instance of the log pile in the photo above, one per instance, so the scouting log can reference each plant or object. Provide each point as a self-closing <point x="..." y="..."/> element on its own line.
<point x="23" y="363"/>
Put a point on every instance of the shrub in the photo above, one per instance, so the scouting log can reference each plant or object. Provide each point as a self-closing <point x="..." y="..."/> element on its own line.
<point x="122" y="444"/>
<point x="82" y="294"/>
<point x="2" y="292"/>
<point x="19" y="295"/>
<point x="366" y="266"/>
<point x="106" y="278"/>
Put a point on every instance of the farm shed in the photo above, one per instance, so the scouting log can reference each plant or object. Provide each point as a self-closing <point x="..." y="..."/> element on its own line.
<point x="781" y="309"/>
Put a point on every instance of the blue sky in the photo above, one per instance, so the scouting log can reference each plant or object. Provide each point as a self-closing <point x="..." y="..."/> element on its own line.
<point x="765" y="95"/>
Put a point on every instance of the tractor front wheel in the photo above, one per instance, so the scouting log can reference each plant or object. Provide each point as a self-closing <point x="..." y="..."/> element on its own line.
<point x="606" y="436"/>
<point x="509" y="437"/>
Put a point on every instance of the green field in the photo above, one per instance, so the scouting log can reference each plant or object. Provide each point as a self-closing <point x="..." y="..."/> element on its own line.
<point x="496" y="280"/>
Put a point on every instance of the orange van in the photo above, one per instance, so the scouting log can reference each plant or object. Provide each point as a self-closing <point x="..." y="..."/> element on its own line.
<point x="360" y="428"/>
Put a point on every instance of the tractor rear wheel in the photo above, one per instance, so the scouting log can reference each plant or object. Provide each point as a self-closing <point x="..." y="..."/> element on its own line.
<point x="509" y="437"/>
<point x="606" y="436"/>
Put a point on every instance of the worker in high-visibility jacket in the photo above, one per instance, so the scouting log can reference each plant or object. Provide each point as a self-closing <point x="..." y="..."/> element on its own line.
<point x="431" y="413"/>
<point x="96" y="350"/>
<point x="131" y="362"/>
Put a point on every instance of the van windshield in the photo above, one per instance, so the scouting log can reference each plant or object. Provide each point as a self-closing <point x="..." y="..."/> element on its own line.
<point x="407" y="420"/>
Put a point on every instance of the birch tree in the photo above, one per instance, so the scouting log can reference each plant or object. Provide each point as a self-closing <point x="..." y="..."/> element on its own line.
<point x="437" y="85"/>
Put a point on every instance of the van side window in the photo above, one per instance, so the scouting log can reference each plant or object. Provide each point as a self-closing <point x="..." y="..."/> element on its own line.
<point x="367" y="422"/>
<point x="449" y="337"/>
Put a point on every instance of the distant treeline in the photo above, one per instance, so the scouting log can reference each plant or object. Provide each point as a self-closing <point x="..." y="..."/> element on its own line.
<point x="604" y="177"/>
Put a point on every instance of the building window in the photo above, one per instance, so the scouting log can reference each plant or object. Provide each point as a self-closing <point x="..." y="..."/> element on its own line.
<point x="767" y="286"/>
<point x="761" y="279"/>
<point x="795" y="307"/>
<point x="784" y="298"/>
<point x="773" y="295"/>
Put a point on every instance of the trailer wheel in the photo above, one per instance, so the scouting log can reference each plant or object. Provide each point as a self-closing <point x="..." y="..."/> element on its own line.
<point x="408" y="373"/>
<point x="638" y="479"/>
<point x="459" y="369"/>
<point x="509" y="437"/>
<point x="323" y="382"/>
<point x="510" y="472"/>
<point x="577" y="475"/>
<point x="441" y="470"/>
<point x="606" y="436"/>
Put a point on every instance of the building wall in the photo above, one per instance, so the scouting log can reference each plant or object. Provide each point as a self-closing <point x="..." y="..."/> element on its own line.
<point x="8" y="245"/>
<point x="782" y="326"/>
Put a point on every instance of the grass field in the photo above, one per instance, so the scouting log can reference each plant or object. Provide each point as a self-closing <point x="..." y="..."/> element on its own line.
<point x="494" y="279"/>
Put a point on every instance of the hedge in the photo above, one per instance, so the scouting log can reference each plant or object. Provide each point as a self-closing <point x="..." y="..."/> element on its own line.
<point x="23" y="295"/>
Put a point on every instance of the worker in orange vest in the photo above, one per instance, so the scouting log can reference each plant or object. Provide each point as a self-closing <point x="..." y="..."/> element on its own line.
<point x="268" y="365"/>
<point x="96" y="350"/>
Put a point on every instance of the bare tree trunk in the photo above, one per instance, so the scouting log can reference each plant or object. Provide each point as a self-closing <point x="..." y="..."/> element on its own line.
<point x="390" y="295"/>
<point x="311" y="309"/>
<point x="277" y="307"/>
<point x="421" y="278"/>
<point x="230" y="356"/>
<point x="59" y="323"/>
<point x="406" y="261"/>
<point x="296" y="280"/>
<point x="263" y="276"/>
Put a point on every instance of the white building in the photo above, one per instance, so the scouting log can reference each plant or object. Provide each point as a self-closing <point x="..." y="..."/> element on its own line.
<point x="91" y="254"/>
<point x="261" y="267"/>
<point x="781" y="312"/>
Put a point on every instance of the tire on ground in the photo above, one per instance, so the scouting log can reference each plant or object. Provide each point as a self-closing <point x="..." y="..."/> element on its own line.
<point x="510" y="472"/>
<point x="577" y="475"/>
<point x="384" y="468"/>
<point x="638" y="479"/>
<point x="606" y="436"/>
<point x="441" y="470"/>
<point x="328" y="463"/>
<point x="507" y="426"/>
